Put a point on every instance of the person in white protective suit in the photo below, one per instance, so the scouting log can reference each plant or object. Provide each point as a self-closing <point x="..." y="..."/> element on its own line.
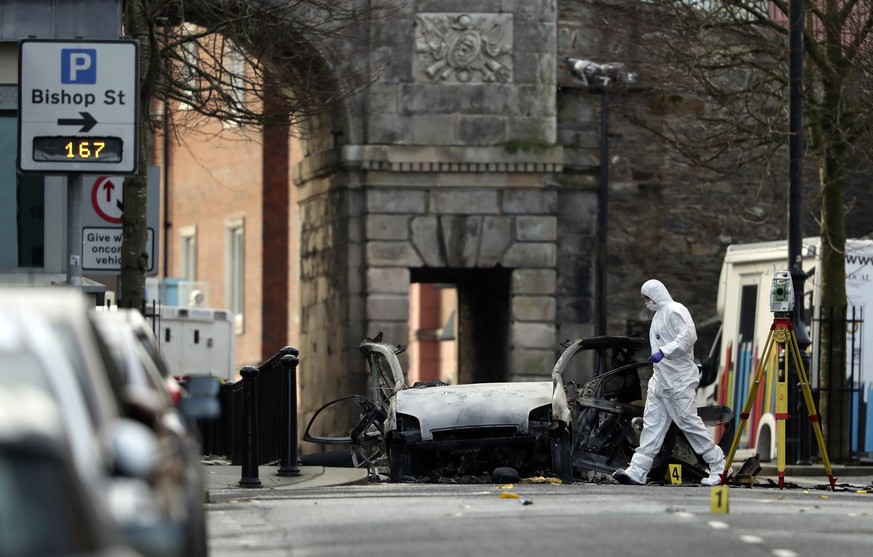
<point x="671" y="389"/>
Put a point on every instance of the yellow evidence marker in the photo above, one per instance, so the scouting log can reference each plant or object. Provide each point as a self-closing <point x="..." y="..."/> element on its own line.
<point x="719" y="499"/>
<point x="675" y="473"/>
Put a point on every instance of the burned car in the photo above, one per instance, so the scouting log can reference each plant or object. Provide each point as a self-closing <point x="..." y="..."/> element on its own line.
<point x="431" y="431"/>
<point x="438" y="430"/>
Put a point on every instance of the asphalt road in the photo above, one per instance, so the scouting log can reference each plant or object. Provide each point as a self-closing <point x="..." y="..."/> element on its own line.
<point x="405" y="520"/>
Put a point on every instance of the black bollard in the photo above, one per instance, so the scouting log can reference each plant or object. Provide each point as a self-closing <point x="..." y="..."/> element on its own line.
<point x="250" y="427"/>
<point x="288" y="462"/>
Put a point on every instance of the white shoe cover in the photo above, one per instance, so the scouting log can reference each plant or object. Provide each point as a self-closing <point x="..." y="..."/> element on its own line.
<point x="714" y="477"/>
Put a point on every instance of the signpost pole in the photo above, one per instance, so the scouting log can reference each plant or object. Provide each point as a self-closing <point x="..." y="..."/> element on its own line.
<point x="74" y="230"/>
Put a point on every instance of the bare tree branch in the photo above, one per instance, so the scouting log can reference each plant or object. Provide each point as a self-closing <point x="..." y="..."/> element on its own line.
<point x="213" y="57"/>
<point x="246" y="63"/>
<point x="730" y="59"/>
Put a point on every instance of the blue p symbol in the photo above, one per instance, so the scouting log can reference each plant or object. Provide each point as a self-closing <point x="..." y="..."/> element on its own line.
<point x="79" y="66"/>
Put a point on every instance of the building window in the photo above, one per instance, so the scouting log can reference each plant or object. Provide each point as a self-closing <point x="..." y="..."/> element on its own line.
<point x="189" y="66"/>
<point x="22" y="205"/>
<point x="188" y="253"/>
<point x="236" y="266"/>
<point x="235" y="82"/>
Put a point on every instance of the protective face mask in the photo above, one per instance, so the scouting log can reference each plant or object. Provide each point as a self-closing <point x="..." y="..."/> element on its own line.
<point x="652" y="305"/>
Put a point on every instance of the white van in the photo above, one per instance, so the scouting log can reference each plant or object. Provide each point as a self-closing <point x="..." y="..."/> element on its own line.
<point x="744" y="308"/>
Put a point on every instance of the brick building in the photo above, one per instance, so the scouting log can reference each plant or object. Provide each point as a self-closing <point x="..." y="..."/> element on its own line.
<point x="229" y="218"/>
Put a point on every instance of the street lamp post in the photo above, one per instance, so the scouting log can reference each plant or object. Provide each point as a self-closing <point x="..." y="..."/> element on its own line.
<point x="602" y="79"/>
<point x="797" y="445"/>
<point x="602" y="213"/>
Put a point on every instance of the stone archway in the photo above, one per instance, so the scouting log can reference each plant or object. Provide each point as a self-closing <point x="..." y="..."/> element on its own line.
<point x="446" y="166"/>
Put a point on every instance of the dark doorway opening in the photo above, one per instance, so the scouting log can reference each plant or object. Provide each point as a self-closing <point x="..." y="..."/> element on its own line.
<point x="482" y="319"/>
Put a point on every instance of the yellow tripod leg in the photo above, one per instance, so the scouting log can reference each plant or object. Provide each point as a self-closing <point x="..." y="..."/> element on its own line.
<point x="810" y="409"/>
<point x="781" y="415"/>
<point x="782" y="332"/>
<point x="747" y="407"/>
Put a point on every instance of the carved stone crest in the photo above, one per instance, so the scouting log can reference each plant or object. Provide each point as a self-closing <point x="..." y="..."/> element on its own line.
<point x="463" y="48"/>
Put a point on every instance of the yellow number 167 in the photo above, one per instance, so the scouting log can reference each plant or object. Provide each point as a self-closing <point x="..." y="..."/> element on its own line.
<point x="84" y="149"/>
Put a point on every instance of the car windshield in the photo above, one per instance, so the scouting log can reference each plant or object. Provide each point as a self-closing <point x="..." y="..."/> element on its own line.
<point x="41" y="511"/>
<point x="70" y="344"/>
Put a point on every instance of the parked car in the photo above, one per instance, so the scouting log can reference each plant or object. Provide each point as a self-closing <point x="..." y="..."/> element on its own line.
<point x="150" y="387"/>
<point x="133" y="465"/>
<point x="51" y="484"/>
<point x="431" y="431"/>
<point x="46" y="509"/>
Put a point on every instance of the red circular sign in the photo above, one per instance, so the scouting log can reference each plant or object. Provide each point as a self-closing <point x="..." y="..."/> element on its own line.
<point x="106" y="198"/>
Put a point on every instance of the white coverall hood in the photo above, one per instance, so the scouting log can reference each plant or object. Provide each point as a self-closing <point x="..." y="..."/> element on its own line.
<point x="657" y="292"/>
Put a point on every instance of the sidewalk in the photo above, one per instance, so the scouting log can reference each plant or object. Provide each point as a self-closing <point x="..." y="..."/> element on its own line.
<point x="222" y="481"/>
<point x="815" y="475"/>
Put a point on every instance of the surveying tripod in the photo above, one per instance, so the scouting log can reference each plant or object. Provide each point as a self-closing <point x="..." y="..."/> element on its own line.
<point x="781" y="334"/>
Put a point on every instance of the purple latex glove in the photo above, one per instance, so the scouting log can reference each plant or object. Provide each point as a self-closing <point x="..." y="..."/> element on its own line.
<point x="656" y="357"/>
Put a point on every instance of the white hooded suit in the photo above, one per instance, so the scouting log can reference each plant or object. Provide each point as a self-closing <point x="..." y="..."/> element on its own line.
<point x="672" y="387"/>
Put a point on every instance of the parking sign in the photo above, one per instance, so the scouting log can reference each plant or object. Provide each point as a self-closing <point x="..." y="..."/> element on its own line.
<point x="78" y="106"/>
<point x="79" y="66"/>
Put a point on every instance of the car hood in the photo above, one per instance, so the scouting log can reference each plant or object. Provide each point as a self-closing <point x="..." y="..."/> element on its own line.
<point x="473" y="405"/>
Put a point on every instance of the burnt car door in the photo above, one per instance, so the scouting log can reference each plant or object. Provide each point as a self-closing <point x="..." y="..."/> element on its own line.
<point x="366" y="436"/>
<point x="386" y="375"/>
<point x="606" y="353"/>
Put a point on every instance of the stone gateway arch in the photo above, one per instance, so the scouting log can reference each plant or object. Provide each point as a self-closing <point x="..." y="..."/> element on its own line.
<point x="444" y="170"/>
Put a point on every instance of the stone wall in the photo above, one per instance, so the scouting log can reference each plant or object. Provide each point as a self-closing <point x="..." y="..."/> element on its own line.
<point x="456" y="72"/>
<point x="663" y="222"/>
<point x="462" y="133"/>
<point x="331" y="304"/>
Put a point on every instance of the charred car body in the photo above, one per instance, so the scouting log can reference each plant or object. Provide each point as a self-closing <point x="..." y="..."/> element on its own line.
<point x="432" y="431"/>
<point x="438" y="430"/>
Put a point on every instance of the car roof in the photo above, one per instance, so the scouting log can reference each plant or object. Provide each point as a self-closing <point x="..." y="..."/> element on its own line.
<point x="25" y="410"/>
<point x="39" y="387"/>
<point x="67" y="311"/>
